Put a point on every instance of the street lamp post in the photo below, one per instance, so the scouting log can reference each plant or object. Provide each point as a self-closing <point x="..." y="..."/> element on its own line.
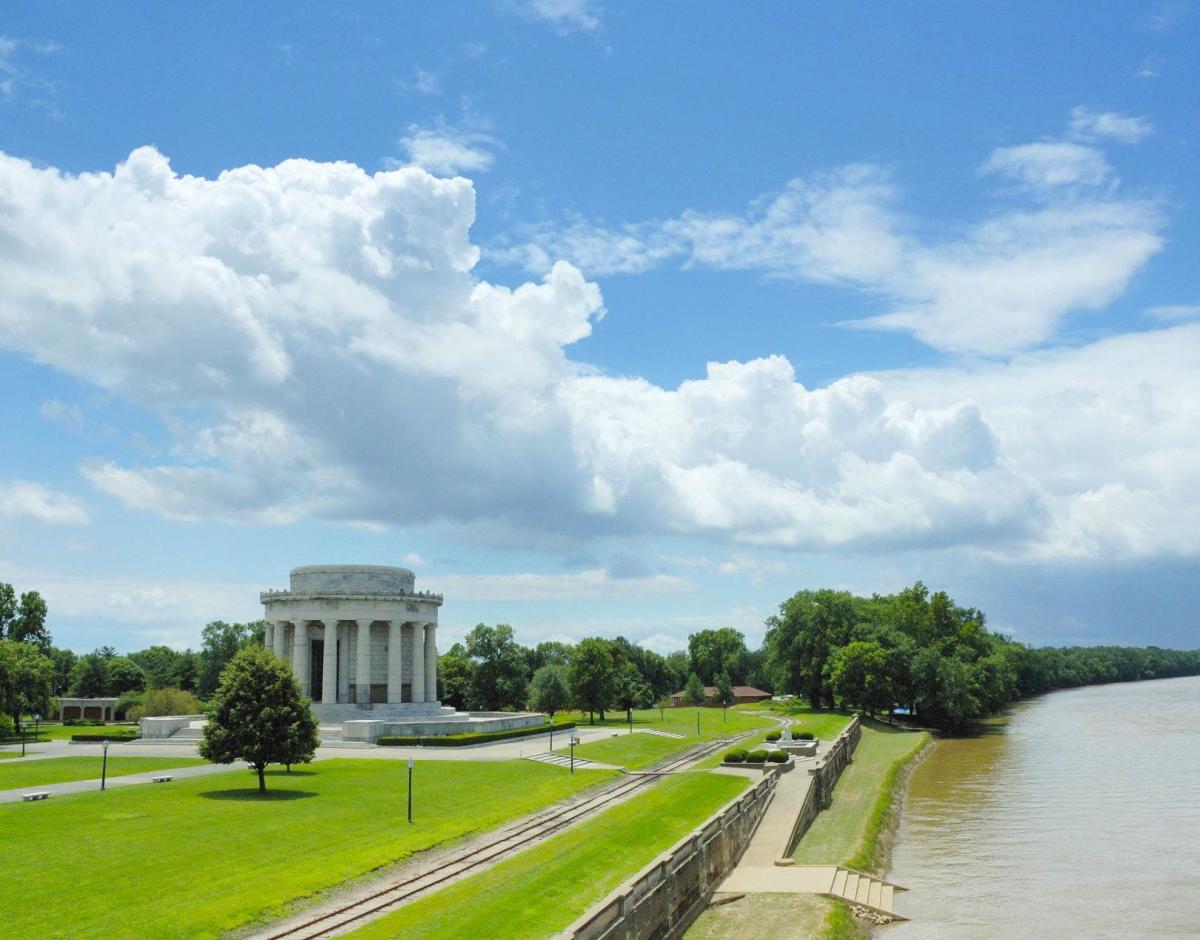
<point x="24" y="725"/>
<point x="697" y="721"/>
<point x="104" y="766"/>
<point x="574" y="741"/>
<point x="410" y="770"/>
<point x="36" y="721"/>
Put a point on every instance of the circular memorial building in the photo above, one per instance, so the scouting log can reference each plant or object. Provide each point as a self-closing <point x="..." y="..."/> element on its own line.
<point x="363" y="644"/>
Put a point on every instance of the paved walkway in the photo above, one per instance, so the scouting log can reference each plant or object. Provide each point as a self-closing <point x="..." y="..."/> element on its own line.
<point x="129" y="780"/>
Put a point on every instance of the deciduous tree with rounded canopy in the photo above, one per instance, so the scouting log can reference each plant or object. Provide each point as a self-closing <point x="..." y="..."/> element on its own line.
<point x="259" y="715"/>
<point x="549" y="691"/>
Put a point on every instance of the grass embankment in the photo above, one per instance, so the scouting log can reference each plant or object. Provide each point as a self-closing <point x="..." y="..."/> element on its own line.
<point x="541" y="891"/>
<point x="211" y="855"/>
<point x="848" y="833"/>
<point x="40" y="773"/>
<point x="7" y="755"/>
<point x="636" y="751"/>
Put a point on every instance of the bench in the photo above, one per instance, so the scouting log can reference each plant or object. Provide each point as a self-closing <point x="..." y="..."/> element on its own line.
<point x="39" y="795"/>
<point x="161" y="778"/>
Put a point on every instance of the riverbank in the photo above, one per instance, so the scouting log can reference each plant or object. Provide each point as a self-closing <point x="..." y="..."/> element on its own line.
<point x="853" y="831"/>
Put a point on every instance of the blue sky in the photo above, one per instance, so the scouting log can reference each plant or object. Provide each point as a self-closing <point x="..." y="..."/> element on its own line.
<point x="602" y="317"/>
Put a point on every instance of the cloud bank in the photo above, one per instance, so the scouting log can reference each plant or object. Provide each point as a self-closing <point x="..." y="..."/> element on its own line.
<point x="315" y="339"/>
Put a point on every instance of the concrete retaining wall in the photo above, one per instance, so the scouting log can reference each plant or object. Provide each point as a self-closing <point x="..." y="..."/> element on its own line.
<point x="166" y="725"/>
<point x="667" y="895"/>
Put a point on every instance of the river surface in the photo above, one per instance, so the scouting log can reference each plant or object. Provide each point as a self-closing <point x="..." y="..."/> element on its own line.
<point x="1078" y="817"/>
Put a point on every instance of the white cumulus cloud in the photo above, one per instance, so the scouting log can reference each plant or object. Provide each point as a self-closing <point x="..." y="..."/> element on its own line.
<point x="31" y="501"/>
<point x="1093" y="125"/>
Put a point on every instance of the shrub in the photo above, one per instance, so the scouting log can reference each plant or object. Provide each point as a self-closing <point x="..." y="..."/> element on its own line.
<point x="736" y="756"/>
<point x="756" y="757"/>
<point x="6" y="726"/>
<point x="158" y="702"/>
<point x="804" y="736"/>
<point x="774" y="735"/>
<point x="777" y="757"/>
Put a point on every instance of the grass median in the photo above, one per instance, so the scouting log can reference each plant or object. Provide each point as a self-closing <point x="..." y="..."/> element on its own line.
<point x="40" y="773"/>
<point x="636" y="751"/>
<point x="209" y="855"/>
<point x="541" y="891"/>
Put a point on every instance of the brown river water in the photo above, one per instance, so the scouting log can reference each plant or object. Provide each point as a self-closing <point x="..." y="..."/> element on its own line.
<point x="1078" y="817"/>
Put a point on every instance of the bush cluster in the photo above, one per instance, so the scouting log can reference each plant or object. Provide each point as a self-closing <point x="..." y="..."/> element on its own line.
<point x="777" y="757"/>
<point x="774" y="735"/>
<point x="804" y="736"/>
<point x="756" y="757"/>
<point x="462" y="740"/>
<point x="736" y="756"/>
<point x="84" y="722"/>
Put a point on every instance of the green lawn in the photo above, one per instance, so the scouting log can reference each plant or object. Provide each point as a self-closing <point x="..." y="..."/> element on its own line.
<point x="636" y="751"/>
<point x="838" y="833"/>
<point x="824" y="723"/>
<point x="5" y="755"/>
<point x="39" y="773"/>
<point x="541" y="891"/>
<point x="207" y="855"/>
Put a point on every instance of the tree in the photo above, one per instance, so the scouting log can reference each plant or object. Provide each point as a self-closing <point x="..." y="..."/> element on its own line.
<point x="592" y="676"/>
<point x="23" y="620"/>
<point x="220" y="642"/>
<point x="629" y="691"/>
<point x="724" y="692"/>
<point x="550" y="690"/>
<point x="257" y="714"/>
<point x="693" y="692"/>
<point x="166" y="668"/>
<point x="501" y="675"/>
<point x="810" y="627"/>
<point x="679" y="666"/>
<point x="25" y="679"/>
<point x="124" y="675"/>
<point x="455" y="671"/>
<point x="549" y="652"/>
<point x="89" y="676"/>
<point x="715" y="651"/>
<point x="64" y="661"/>
<point x="860" y="676"/>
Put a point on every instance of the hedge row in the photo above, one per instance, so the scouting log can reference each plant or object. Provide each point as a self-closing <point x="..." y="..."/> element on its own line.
<point x="115" y="738"/>
<point x="462" y="740"/>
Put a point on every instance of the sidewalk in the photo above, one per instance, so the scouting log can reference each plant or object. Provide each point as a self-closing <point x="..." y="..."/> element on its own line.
<point x="84" y="786"/>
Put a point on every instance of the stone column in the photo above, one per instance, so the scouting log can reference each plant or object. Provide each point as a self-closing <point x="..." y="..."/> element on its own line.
<point x="329" y="666"/>
<point x="362" y="675"/>
<point x="395" y="662"/>
<point x="418" y="662"/>
<point x="300" y="652"/>
<point x="343" y="633"/>
<point x="431" y="662"/>
<point x="269" y="635"/>
<point x="280" y="639"/>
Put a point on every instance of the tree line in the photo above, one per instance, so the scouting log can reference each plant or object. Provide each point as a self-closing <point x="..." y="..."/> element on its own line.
<point x="491" y="671"/>
<point x="916" y="650"/>
<point x="925" y="653"/>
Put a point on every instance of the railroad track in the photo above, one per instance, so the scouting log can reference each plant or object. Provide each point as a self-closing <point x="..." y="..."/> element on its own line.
<point x="520" y="835"/>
